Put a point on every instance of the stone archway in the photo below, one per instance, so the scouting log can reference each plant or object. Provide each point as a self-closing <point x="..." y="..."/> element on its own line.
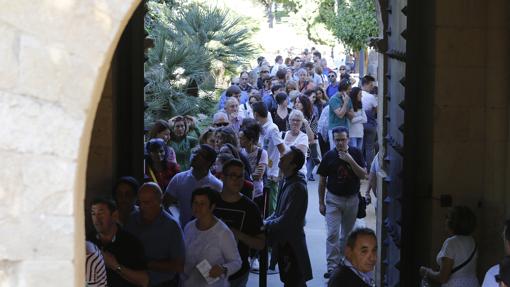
<point x="55" y="58"/>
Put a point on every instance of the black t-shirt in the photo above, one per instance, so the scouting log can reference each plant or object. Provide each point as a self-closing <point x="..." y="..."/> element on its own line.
<point x="127" y="249"/>
<point x="342" y="180"/>
<point x="245" y="216"/>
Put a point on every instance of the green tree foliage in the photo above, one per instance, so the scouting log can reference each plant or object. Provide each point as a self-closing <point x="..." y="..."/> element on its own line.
<point x="354" y="22"/>
<point x="194" y="46"/>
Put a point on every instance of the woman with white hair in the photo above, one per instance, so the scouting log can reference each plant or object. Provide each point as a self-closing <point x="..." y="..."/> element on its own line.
<point x="295" y="137"/>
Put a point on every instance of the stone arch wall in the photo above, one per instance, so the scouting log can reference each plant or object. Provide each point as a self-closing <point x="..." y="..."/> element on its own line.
<point x="54" y="58"/>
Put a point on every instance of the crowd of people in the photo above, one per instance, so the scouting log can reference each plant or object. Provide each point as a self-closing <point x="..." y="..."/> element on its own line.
<point x="212" y="199"/>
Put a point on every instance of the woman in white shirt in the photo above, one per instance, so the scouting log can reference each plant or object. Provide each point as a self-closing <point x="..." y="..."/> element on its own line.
<point x="295" y="137"/>
<point x="457" y="257"/>
<point x="359" y="118"/>
<point x="209" y="242"/>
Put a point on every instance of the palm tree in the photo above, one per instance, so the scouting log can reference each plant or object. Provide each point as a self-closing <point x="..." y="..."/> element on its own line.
<point x="194" y="46"/>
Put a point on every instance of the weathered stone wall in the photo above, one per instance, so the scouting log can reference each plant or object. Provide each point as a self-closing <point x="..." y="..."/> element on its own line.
<point x="54" y="58"/>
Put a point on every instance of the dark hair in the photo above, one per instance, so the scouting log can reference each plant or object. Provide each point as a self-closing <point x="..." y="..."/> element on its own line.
<point x="345" y="76"/>
<point x="278" y="58"/>
<point x="309" y="65"/>
<point x="248" y="122"/>
<point x="110" y="203"/>
<point x="234" y="89"/>
<point x="356" y="103"/>
<point x="318" y="54"/>
<point x="244" y="72"/>
<point x="211" y="153"/>
<point x="461" y="220"/>
<point x="260" y="108"/>
<point x="353" y="236"/>
<point x="159" y="126"/>
<point x="298" y="157"/>
<point x="229" y="135"/>
<point x="324" y="95"/>
<point x="231" y="149"/>
<point x="257" y="97"/>
<point x="280" y="98"/>
<point x="212" y="194"/>
<point x="280" y="74"/>
<point x="205" y="135"/>
<point x="367" y="80"/>
<point x="507" y="230"/>
<point x="230" y="163"/>
<point x="153" y="145"/>
<point x="130" y="181"/>
<point x="260" y="59"/>
<point x="307" y="106"/>
<point x="276" y="87"/>
<point x="344" y="85"/>
<point x="339" y="130"/>
<point x="332" y="72"/>
<point x="252" y="131"/>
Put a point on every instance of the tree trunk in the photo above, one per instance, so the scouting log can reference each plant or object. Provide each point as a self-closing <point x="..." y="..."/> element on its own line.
<point x="270" y="15"/>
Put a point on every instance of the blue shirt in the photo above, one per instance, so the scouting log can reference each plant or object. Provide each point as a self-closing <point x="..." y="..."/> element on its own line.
<point x="162" y="240"/>
<point x="334" y="120"/>
<point x="332" y="89"/>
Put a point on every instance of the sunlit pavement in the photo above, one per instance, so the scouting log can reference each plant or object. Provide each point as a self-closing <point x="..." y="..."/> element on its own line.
<point x="315" y="230"/>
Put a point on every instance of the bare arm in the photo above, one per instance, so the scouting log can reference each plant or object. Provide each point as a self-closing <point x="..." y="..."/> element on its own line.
<point x="358" y="170"/>
<point x="281" y="148"/>
<point x="441" y="276"/>
<point x="137" y="277"/>
<point x="340" y="112"/>
<point x="257" y="242"/>
<point x="322" y="193"/>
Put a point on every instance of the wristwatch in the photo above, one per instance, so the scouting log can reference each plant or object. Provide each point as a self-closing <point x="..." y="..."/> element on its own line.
<point x="118" y="269"/>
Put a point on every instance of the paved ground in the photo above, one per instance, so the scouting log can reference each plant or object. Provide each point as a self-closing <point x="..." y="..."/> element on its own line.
<point x="315" y="230"/>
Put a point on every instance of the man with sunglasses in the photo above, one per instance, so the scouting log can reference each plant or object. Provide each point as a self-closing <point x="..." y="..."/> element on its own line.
<point x="332" y="88"/>
<point x="242" y="217"/>
<point x="489" y="281"/>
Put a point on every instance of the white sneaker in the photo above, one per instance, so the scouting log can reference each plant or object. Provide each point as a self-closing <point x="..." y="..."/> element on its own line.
<point x="255" y="264"/>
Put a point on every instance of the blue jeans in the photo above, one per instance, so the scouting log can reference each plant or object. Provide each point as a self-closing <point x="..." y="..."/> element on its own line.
<point x="356" y="142"/>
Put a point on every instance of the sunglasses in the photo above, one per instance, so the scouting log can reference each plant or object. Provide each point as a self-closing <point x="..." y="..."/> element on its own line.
<point x="264" y="71"/>
<point x="342" y="69"/>
<point x="221" y="125"/>
<point x="331" y="76"/>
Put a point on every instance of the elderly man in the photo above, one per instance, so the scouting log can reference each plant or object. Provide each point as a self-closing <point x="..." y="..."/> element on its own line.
<point x="122" y="252"/>
<point x="285" y="227"/>
<point x="360" y="258"/>
<point x="182" y="184"/>
<point x="160" y="235"/>
<point x="340" y="171"/>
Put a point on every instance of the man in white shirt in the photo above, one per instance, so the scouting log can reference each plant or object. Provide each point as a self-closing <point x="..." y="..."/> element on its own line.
<point x="489" y="280"/>
<point x="182" y="184"/>
<point x="369" y="103"/>
<point x="272" y="142"/>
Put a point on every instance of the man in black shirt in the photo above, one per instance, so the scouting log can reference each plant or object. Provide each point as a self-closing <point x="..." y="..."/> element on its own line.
<point x="360" y="258"/>
<point x="340" y="171"/>
<point x="122" y="252"/>
<point x="241" y="215"/>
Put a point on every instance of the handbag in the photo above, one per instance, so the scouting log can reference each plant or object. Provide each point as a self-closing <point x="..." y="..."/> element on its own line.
<point x="314" y="153"/>
<point x="362" y="207"/>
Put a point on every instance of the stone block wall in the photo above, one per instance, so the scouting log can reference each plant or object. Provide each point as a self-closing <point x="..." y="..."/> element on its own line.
<point x="54" y="58"/>
<point x="470" y="119"/>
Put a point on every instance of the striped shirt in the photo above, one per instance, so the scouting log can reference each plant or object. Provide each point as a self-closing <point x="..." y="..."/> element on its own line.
<point x="95" y="271"/>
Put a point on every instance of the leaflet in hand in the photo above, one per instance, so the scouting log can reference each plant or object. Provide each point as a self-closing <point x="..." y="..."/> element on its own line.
<point x="204" y="267"/>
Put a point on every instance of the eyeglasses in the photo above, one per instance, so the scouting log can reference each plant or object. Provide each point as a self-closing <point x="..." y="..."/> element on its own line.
<point x="221" y="124"/>
<point x="234" y="176"/>
<point x="264" y="71"/>
<point x="342" y="69"/>
<point x="331" y="76"/>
